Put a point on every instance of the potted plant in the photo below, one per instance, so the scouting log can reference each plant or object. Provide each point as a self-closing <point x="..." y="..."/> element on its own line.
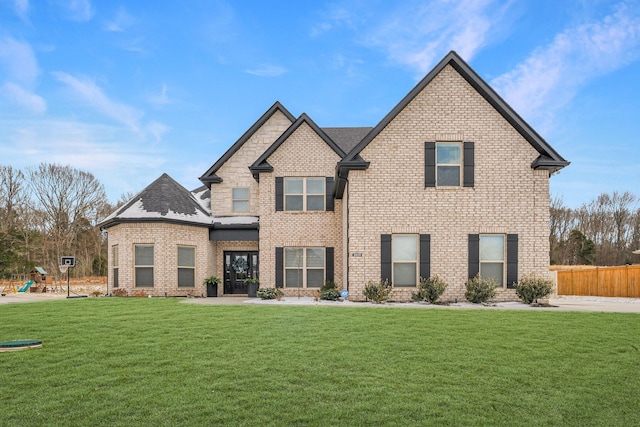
<point x="253" y="285"/>
<point x="212" y="286"/>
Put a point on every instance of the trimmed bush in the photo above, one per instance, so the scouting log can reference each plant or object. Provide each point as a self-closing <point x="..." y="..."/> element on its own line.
<point x="531" y="288"/>
<point x="269" y="293"/>
<point x="429" y="289"/>
<point x="329" y="292"/>
<point x="377" y="292"/>
<point x="480" y="290"/>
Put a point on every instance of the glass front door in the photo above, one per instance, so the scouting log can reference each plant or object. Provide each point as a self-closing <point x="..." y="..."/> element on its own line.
<point x="238" y="267"/>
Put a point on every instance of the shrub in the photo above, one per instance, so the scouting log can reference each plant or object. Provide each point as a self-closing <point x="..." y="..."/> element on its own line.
<point x="429" y="289"/>
<point x="377" y="291"/>
<point x="329" y="292"/>
<point x="120" y="292"/>
<point x="480" y="290"/>
<point x="531" y="288"/>
<point x="269" y="293"/>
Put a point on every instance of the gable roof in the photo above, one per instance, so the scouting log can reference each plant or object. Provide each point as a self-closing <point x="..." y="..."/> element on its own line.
<point x="163" y="200"/>
<point x="261" y="164"/>
<point x="548" y="159"/>
<point x="210" y="177"/>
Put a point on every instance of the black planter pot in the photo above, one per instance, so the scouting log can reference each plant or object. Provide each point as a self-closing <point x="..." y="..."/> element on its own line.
<point x="212" y="289"/>
<point x="253" y="290"/>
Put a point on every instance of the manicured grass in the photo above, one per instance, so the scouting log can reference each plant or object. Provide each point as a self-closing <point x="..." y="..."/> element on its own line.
<point x="129" y="361"/>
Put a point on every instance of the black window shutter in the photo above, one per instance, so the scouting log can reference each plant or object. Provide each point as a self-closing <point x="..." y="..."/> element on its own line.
<point x="512" y="260"/>
<point x="474" y="255"/>
<point x="329" y="193"/>
<point x="279" y="267"/>
<point x="385" y="257"/>
<point x="425" y="256"/>
<point x="329" y="272"/>
<point x="279" y="193"/>
<point x="468" y="170"/>
<point x="429" y="164"/>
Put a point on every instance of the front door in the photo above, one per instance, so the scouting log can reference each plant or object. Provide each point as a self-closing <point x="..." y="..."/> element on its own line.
<point x="238" y="267"/>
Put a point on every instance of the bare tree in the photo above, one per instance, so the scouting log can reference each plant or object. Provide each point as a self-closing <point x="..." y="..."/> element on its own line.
<point x="69" y="200"/>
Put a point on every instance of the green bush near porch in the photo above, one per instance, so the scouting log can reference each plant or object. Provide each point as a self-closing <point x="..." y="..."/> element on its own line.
<point x="156" y="362"/>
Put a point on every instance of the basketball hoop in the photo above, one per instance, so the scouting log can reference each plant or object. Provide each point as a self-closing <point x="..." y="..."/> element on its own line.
<point x="63" y="268"/>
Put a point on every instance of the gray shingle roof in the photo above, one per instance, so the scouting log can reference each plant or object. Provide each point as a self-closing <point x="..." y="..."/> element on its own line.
<point x="163" y="200"/>
<point x="347" y="137"/>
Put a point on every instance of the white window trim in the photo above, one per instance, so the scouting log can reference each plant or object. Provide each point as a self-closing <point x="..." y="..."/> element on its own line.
<point x="416" y="261"/>
<point x="234" y="200"/>
<point x="304" y="267"/>
<point x="304" y="193"/>
<point x="503" y="260"/>
<point x="459" y="165"/>
<point x="136" y="266"/>
<point x="191" y="267"/>
<point x="115" y="267"/>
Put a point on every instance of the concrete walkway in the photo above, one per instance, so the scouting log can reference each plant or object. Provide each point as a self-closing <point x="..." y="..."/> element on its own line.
<point x="594" y="304"/>
<point x="563" y="303"/>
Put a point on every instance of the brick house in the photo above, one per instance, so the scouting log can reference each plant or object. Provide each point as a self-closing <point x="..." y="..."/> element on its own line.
<point x="452" y="182"/>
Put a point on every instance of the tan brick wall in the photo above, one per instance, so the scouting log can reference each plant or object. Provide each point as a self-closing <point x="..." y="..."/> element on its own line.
<point x="304" y="154"/>
<point x="390" y="197"/>
<point x="165" y="238"/>
<point x="235" y="172"/>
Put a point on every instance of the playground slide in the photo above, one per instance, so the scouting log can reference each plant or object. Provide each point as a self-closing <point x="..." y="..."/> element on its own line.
<point x="26" y="286"/>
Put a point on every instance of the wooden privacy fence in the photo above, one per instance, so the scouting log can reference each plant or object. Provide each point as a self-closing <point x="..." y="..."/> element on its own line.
<point x="621" y="281"/>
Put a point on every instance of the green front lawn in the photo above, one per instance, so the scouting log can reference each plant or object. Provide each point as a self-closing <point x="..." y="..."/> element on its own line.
<point x="134" y="361"/>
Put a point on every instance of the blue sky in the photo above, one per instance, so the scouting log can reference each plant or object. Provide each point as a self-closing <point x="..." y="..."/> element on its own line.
<point x="129" y="90"/>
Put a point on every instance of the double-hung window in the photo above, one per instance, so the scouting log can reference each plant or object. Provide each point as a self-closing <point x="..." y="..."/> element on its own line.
<point x="240" y="199"/>
<point x="304" y="194"/>
<point x="448" y="164"/>
<point x="492" y="256"/>
<point x="186" y="266"/>
<point x="143" y="259"/>
<point x="405" y="259"/>
<point x="304" y="267"/>
<point x="114" y="257"/>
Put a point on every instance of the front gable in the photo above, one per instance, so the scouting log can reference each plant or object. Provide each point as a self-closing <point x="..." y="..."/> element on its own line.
<point x="446" y="121"/>
<point x="307" y="147"/>
<point x="262" y="133"/>
<point x="229" y="178"/>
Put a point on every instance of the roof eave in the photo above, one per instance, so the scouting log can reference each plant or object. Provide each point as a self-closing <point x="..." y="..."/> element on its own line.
<point x="342" y="174"/>
<point x="277" y="106"/>
<point x="116" y="221"/>
<point x="546" y="163"/>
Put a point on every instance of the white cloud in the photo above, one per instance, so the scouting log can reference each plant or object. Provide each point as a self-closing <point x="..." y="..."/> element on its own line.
<point x="21" y="8"/>
<point x="18" y="60"/>
<point x="93" y="95"/>
<point x="419" y="33"/>
<point x="156" y="129"/>
<point x="267" y="71"/>
<point x="112" y="154"/>
<point x="78" y="10"/>
<point x="120" y="22"/>
<point x="24" y="98"/>
<point x="161" y="99"/>
<point x="552" y="75"/>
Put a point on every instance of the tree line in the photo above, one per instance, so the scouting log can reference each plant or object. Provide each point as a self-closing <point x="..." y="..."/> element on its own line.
<point x="49" y="211"/>
<point x="604" y="231"/>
